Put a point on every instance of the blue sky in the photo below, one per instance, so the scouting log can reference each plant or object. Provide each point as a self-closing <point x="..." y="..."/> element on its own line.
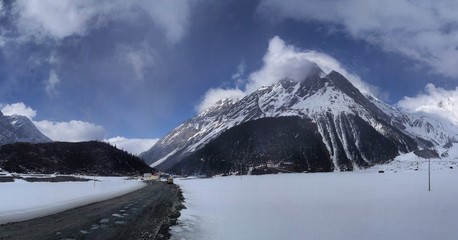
<point x="136" y="69"/>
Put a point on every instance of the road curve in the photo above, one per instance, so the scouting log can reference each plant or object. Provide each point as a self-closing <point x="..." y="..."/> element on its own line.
<point x="143" y="214"/>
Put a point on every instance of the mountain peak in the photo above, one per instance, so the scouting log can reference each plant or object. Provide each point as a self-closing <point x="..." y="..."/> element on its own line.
<point x="353" y="130"/>
<point x="18" y="128"/>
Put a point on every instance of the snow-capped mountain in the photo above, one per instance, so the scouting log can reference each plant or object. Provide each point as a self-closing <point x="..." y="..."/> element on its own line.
<point x="7" y="132"/>
<point x="436" y="130"/>
<point x="328" y="113"/>
<point x="18" y="128"/>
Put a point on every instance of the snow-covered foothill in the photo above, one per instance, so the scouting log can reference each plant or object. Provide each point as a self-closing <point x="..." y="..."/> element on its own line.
<point x="339" y="205"/>
<point x="21" y="200"/>
<point x="410" y="162"/>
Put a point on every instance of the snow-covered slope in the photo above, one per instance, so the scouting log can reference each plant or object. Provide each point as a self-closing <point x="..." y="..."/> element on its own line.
<point x="7" y="132"/>
<point x="357" y="131"/>
<point x="420" y="125"/>
<point x="26" y="131"/>
<point x="18" y="128"/>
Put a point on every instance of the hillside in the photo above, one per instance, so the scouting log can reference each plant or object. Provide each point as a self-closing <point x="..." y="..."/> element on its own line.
<point x="279" y="140"/>
<point x="292" y="143"/>
<point x="88" y="158"/>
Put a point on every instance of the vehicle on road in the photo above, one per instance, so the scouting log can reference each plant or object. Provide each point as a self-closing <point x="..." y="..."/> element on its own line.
<point x="170" y="180"/>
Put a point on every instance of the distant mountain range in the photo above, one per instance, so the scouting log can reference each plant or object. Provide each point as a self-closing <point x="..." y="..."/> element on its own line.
<point x="18" y="128"/>
<point x="322" y="123"/>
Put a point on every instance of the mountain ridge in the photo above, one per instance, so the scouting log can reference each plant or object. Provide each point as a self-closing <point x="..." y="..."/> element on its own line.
<point x="342" y="114"/>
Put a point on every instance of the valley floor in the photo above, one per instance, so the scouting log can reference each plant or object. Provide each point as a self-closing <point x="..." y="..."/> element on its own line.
<point x="363" y="204"/>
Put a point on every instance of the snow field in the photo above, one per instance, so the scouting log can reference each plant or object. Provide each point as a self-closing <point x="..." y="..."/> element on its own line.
<point x="349" y="205"/>
<point x="21" y="200"/>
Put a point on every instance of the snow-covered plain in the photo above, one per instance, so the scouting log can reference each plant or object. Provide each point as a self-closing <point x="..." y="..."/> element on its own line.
<point x="340" y="205"/>
<point x="21" y="200"/>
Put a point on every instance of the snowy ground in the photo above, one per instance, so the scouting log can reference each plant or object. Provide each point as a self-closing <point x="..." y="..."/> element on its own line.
<point x="350" y="205"/>
<point x="21" y="200"/>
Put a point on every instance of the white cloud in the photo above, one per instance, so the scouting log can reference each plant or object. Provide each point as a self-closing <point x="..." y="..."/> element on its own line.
<point x="284" y="61"/>
<point x="434" y="100"/>
<point x="171" y="15"/>
<point x="215" y="94"/>
<point x="48" y="22"/>
<point x="77" y="131"/>
<point x="40" y="19"/>
<point x="72" y="131"/>
<point x="57" y="19"/>
<point x="280" y="61"/>
<point x="132" y="145"/>
<point x="240" y="71"/>
<point x="18" y="109"/>
<point x="51" y="84"/>
<point x="139" y="58"/>
<point x="240" y="74"/>
<point x="2" y="10"/>
<point x="422" y="30"/>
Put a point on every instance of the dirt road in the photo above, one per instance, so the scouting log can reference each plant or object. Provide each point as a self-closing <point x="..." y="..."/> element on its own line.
<point x="143" y="214"/>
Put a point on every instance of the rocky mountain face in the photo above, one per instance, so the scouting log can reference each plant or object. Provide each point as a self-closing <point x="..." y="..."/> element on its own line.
<point x="18" y="128"/>
<point x="7" y="132"/>
<point x="322" y="123"/>
<point x="86" y="158"/>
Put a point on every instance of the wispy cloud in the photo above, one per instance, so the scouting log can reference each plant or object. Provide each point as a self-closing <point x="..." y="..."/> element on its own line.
<point x="238" y="77"/>
<point x="171" y="15"/>
<point x="140" y="58"/>
<point x="2" y="10"/>
<point x="19" y="109"/>
<point x="51" y="84"/>
<point x="423" y="30"/>
<point x="46" y="30"/>
<point x="42" y="19"/>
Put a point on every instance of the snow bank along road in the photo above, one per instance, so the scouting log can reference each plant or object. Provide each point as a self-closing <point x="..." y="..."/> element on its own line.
<point x="138" y="215"/>
<point x="33" y="196"/>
